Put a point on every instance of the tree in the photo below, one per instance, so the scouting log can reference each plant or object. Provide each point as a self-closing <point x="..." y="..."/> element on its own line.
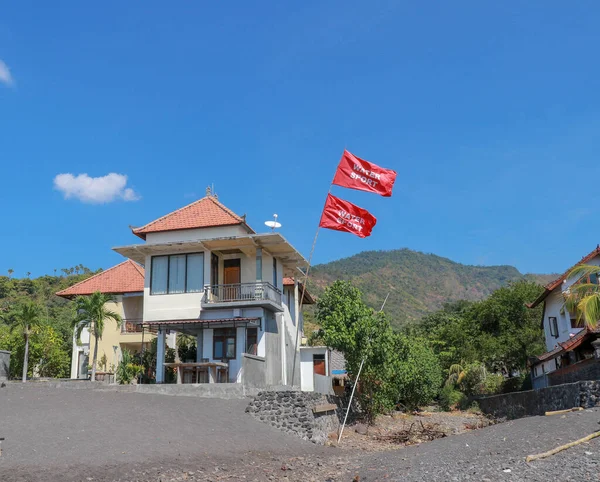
<point x="25" y="319"/>
<point x="583" y="296"/>
<point x="353" y="328"/>
<point x="91" y="312"/>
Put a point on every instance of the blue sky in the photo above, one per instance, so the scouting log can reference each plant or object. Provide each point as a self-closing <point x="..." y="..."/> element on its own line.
<point x="489" y="111"/>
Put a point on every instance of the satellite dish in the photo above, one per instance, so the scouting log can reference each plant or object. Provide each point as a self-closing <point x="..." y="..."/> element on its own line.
<point x="273" y="224"/>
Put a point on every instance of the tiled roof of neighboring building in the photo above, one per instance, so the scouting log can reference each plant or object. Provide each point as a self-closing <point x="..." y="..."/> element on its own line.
<point x="207" y="212"/>
<point x="308" y="298"/>
<point x="127" y="277"/>
<point x="337" y="362"/>
<point x="557" y="282"/>
<point x="569" y="345"/>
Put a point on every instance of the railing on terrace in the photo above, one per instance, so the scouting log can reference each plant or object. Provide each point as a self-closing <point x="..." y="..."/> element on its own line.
<point x="240" y="292"/>
<point x="135" y="326"/>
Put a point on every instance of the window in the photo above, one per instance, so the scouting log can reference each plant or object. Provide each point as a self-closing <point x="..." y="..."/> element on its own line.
<point x="251" y="341"/>
<point x="160" y="275"/>
<point x="275" y="272"/>
<point x="195" y="273"/>
<point x="224" y="343"/>
<point x="553" y="325"/>
<point x="575" y="323"/>
<point x="178" y="273"/>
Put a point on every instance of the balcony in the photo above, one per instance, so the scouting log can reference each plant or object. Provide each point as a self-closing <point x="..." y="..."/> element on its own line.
<point x="243" y="295"/>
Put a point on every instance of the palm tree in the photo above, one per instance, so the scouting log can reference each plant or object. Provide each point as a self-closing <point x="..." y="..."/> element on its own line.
<point x="91" y="313"/>
<point x="26" y="318"/>
<point x="583" y="296"/>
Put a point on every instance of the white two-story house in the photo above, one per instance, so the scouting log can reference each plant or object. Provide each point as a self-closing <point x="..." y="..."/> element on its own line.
<point x="567" y="341"/>
<point x="210" y="275"/>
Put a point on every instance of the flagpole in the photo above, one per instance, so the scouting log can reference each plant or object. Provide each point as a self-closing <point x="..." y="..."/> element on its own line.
<point x="312" y="250"/>
<point x="356" y="381"/>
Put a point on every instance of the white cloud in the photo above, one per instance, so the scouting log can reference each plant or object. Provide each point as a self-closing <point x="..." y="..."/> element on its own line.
<point x="5" y="75"/>
<point x="95" y="190"/>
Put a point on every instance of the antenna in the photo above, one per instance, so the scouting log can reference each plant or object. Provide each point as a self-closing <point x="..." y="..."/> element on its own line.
<point x="273" y="224"/>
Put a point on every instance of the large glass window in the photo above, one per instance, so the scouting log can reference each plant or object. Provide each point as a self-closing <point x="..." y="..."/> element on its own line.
<point x="224" y="343"/>
<point x="195" y="273"/>
<point x="178" y="273"/>
<point x="160" y="275"/>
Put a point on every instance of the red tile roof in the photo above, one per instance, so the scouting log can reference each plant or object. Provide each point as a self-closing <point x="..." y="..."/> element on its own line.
<point x="308" y="298"/>
<point x="557" y="282"/>
<point x="205" y="213"/>
<point x="570" y="344"/>
<point x="127" y="277"/>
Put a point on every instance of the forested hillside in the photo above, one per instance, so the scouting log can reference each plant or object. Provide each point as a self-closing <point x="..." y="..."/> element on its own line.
<point x="418" y="283"/>
<point x="51" y="343"/>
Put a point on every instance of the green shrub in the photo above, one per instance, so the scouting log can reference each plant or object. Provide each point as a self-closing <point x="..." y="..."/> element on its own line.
<point x="450" y="398"/>
<point x="127" y="370"/>
<point x="515" y="384"/>
<point x="492" y="384"/>
<point x="418" y="372"/>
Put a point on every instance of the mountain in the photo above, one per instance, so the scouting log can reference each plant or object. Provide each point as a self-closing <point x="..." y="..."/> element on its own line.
<point x="417" y="283"/>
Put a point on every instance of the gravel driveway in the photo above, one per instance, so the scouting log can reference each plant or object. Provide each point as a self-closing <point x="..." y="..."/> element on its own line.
<point x="497" y="453"/>
<point x="64" y="434"/>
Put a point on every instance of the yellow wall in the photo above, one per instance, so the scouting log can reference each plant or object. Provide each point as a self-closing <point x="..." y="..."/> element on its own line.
<point x="130" y="308"/>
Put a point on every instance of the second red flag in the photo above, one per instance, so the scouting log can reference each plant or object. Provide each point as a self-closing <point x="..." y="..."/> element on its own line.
<point x="342" y="215"/>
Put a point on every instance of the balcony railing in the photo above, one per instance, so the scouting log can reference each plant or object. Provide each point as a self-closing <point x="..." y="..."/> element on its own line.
<point x="131" y="326"/>
<point x="242" y="292"/>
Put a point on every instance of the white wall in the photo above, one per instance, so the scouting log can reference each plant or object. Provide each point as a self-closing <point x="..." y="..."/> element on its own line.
<point x="78" y="348"/>
<point x="307" y="380"/>
<point x="195" y="234"/>
<point x="544" y="368"/>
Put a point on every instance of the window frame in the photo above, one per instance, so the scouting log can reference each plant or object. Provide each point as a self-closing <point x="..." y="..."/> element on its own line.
<point x="553" y="323"/>
<point x="223" y="338"/>
<point x="168" y="256"/>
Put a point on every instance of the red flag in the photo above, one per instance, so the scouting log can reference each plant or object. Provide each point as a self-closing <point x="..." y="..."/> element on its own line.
<point x="356" y="173"/>
<point x="344" y="216"/>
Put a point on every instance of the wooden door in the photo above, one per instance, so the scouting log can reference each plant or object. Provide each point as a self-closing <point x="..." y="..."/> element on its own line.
<point x="319" y="365"/>
<point x="232" y="275"/>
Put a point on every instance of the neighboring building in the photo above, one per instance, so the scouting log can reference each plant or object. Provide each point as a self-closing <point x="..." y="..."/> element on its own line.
<point x="567" y="342"/>
<point x="318" y="362"/>
<point x="209" y="275"/>
<point x="126" y="282"/>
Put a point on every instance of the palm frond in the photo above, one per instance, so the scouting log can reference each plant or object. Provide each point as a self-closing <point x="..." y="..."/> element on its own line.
<point x="589" y="309"/>
<point x="583" y="271"/>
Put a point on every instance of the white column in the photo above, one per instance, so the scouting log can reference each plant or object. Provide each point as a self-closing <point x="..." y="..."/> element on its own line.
<point x="296" y="303"/>
<point x="258" y="264"/>
<point x="283" y="359"/>
<point x="160" y="356"/>
<point x="199" y="346"/>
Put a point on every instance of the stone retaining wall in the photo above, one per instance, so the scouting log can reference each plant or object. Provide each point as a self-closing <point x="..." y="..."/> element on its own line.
<point x="292" y="411"/>
<point x="585" y="370"/>
<point x="536" y="402"/>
